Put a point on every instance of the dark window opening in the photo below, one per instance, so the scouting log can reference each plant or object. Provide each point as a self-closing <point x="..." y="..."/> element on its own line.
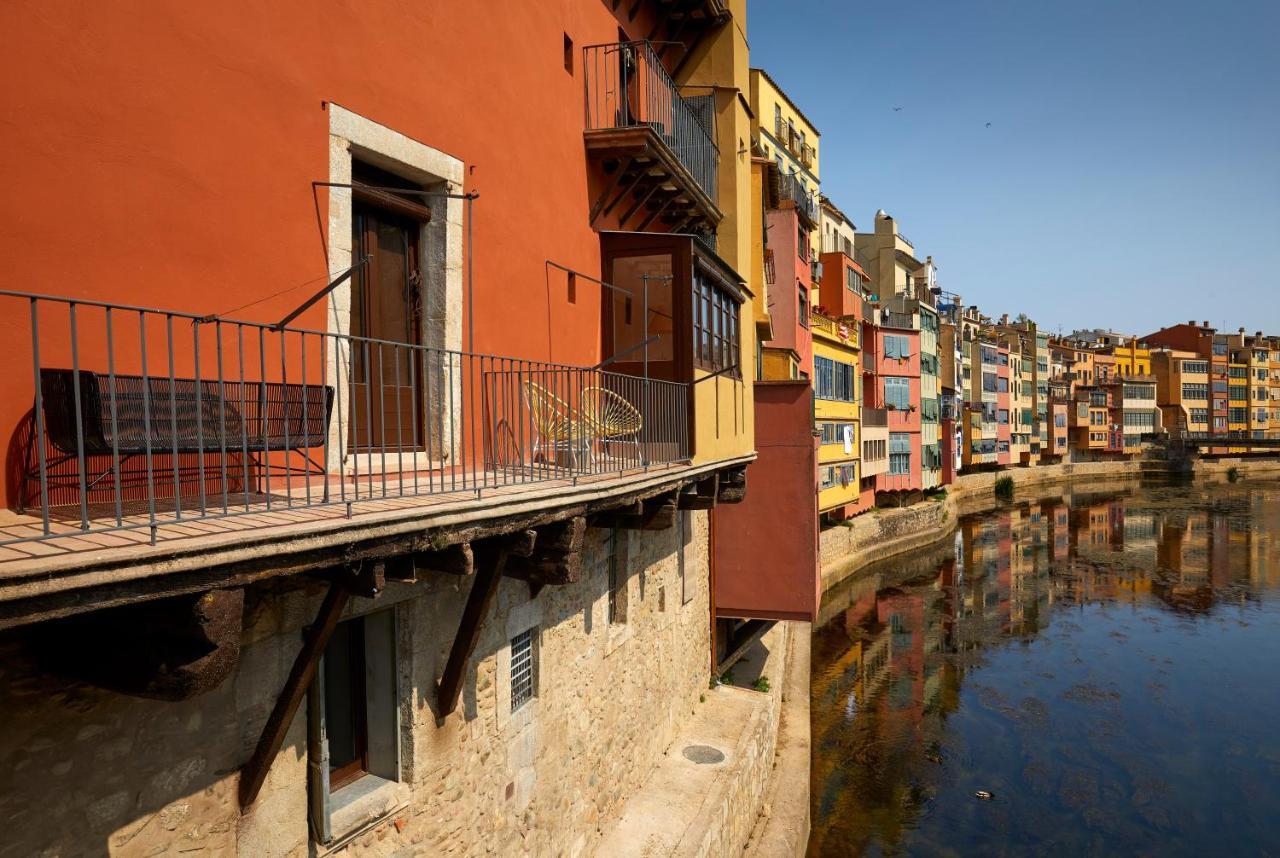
<point x="568" y="54"/>
<point x="346" y="723"/>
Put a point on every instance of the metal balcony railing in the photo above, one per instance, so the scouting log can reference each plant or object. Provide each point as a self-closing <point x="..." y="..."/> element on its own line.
<point x="806" y="201"/>
<point x="835" y="243"/>
<point x="628" y="87"/>
<point x="144" y="418"/>
<point x="893" y="319"/>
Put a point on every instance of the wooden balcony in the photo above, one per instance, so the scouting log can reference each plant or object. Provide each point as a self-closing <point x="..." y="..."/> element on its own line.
<point x="656" y="147"/>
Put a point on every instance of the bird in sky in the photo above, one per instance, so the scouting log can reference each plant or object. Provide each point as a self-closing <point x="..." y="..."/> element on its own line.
<point x="988" y="124"/>
<point x="896" y="109"/>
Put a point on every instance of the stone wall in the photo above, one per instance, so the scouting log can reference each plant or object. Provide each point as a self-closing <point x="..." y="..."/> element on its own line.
<point x="882" y="533"/>
<point x="730" y="825"/>
<point x="85" y="771"/>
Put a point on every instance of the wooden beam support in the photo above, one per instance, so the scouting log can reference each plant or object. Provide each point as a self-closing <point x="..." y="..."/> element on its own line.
<point x="657" y="212"/>
<point x="303" y="671"/>
<point x="367" y="580"/>
<point x="522" y="543"/>
<point x="703" y="495"/>
<point x="402" y="568"/>
<point x="558" y="556"/>
<point x="654" y="514"/>
<point x="457" y="559"/>
<point x="733" y="486"/>
<point x="170" y="649"/>
<point x="604" y="194"/>
<point x="483" y="591"/>
<point x="640" y="201"/>
<point x="629" y="188"/>
<point x="634" y="509"/>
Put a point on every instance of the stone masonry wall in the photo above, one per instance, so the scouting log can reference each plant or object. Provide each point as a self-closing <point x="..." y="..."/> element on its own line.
<point x="88" y="772"/>
<point x="881" y="533"/>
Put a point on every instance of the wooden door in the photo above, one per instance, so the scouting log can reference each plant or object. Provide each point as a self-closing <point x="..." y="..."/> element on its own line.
<point x="386" y="324"/>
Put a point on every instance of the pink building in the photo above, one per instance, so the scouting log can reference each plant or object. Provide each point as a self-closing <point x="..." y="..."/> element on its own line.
<point x="895" y="362"/>
<point x="793" y="276"/>
<point x="1003" y="399"/>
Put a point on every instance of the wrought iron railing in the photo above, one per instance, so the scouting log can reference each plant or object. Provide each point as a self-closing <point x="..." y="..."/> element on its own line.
<point x="894" y="319"/>
<point x="806" y="201"/>
<point x="628" y="87"/>
<point x="836" y="243"/>
<point x="144" y="418"/>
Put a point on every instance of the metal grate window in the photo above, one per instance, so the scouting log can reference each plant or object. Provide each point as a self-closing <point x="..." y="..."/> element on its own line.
<point x="522" y="669"/>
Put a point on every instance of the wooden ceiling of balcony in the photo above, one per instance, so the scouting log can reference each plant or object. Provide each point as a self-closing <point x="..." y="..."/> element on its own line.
<point x="677" y="22"/>
<point x="647" y="184"/>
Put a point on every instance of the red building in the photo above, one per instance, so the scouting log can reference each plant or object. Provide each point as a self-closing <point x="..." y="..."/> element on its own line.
<point x="788" y="243"/>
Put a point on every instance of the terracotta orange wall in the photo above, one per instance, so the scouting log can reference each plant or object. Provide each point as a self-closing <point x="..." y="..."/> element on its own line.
<point x="165" y="157"/>
<point x="764" y="571"/>
<point x="835" y="294"/>
<point x="791" y="274"/>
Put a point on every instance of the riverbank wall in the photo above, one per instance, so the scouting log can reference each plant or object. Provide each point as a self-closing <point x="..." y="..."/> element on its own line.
<point x="883" y="533"/>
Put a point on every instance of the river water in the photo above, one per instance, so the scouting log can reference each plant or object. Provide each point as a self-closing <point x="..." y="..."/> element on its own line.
<point x="1105" y="666"/>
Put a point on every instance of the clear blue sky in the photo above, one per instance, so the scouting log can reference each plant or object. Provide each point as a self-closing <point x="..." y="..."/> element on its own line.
<point x="1131" y="174"/>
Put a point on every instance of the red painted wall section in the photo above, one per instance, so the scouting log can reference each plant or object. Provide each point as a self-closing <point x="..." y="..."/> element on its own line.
<point x="791" y="275"/>
<point x="167" y="159"/>
<point x="836" y="297"/>
<point x="766" y="547"/>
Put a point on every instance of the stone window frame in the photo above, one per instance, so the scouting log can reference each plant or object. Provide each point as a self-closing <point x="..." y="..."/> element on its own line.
<point x="353" y="137"/>
<point x="618" y="629"/>
<point x="336" y="817"/>
<point x="685" y="553"/>
<point x="520" y="619"/>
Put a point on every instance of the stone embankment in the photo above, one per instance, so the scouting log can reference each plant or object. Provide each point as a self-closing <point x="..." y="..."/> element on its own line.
<point x="883" y="533"/>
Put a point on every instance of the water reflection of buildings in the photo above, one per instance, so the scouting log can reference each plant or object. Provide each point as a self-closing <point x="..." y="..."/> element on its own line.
<point x="888" y="668"/>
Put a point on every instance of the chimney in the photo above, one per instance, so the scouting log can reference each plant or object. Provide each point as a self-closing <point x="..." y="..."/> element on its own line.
<point x="1205" y="323"/>
<point x="1242" y="331"/>
<point x="1258" y="334"/>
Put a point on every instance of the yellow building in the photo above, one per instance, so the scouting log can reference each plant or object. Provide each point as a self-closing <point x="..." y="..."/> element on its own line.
<point x="1260" y="424"/>
<point x="1273" y="386"/>
<point x="837" y="385"/>
<point x="1133" y="358"/>
<point x="1237" y="394"/>
<point x="790" y="140"/>
<point x="725" y="424"/>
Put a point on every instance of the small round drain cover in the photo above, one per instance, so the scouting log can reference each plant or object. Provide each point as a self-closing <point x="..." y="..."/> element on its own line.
<point x="703" y="755"/>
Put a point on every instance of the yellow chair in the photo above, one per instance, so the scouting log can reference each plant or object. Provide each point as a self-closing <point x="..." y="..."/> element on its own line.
<point x="555" y="425"/>
<point x="613" y="420"/>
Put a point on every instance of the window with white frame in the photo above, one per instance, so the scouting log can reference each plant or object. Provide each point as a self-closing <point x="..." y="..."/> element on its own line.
<point x="899" y="453"/>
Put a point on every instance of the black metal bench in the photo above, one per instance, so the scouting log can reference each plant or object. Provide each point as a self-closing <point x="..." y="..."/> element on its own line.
<point x="125" y="413"/>
<point x="126" y="416"/>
